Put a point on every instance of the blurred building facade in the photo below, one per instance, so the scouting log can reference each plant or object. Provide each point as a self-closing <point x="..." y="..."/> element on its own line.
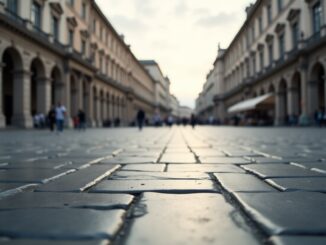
<point x="67" y="51"/>
<point x="280" y="49"/>
<point x="161" y="87"/>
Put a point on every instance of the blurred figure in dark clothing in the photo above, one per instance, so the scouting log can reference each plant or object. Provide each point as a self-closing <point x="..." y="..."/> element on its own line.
<point x="140" y="119"/>
<point x="51" y="118"/>
<point x="193" y="120"/>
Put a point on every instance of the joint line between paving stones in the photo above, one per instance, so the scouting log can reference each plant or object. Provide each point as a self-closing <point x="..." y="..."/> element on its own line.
<point x="259" y="233"/>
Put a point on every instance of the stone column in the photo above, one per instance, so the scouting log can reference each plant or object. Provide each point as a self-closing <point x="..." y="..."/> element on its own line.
<point x="88" y="104"/>
<point x="112" y="110"/>
<point x="44" y="95"/>
<point x="312" y="90"/>
<point x="98" y="111"/>
<point x="280" y="109"/>
<point x="80" y="95"/>
<point x="305" y="115"/>
<point x="2" y="117"/>
<point x="66" y="101"/>
<point x="22" y="103"/>
<point x="293" y="97"/>
<point x="104" y="109"/>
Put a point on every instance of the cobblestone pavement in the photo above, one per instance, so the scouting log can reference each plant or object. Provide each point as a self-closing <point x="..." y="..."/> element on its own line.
<point x="164" y="186"/>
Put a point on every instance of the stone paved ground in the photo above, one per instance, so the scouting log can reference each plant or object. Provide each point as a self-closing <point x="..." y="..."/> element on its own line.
<point x="164" y="186"/>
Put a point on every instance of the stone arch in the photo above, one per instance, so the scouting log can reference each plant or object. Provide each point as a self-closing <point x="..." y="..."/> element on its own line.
<point x="37" y="70"/>
<point x="317" y="88"/>
<point x="74" y="90"/>
<point x="295" y="102"/>
<point x="56" y="86"/>
<point x="12" y="66"/>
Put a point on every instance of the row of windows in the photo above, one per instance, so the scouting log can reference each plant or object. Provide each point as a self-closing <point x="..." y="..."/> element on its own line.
<point x="316" y="20"/>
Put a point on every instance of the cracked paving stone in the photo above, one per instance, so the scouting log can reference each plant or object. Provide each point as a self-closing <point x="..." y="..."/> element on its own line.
<point x="298" y="240"/>
<point x="208" y="220"/>
<point x="233" y="182"/>
<point x="31" y="175"/>
<point x="79" y="180"/>
<point x="317" y="184"/>
<point x="60" y="200"/>
<point x="224" y="160"/>
<point x="207" y="168"/>
<point x="145" y="167"/>
<point x="129" y="160"/>
<point x="280" y="171"/>
<point x="60" y="224"/>
<point x="49" y="242"/>
<point x="178" y="158"/>
<point x="135" y="175"/>
<point x="9" y="186"/>
<point x="164" y="186"/>
<point x="286" y="213"/>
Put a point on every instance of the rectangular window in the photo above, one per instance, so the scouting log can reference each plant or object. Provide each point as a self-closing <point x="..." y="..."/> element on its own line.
<point x="55" y="28"/>
<point x="36" y="17"/>
<point x="269" y="13"/>
<point x="83" y="46"/>
<point x="317" y="17"/>
<point x="71" y="3"/>
<point x="71" y="38"/>
<point x="281" y="45"/>
<point x="261" y="58"/>
<point x="83" y="11"/>
<point x="271" y="52"/>
<point x="279" y="5"/>
<point x="12" y="6"/>
<point x="260" y="23"/>
<point x="295" y="34"/>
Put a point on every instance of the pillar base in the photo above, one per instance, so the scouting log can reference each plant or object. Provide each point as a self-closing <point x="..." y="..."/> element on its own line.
<point x="2" y="121"/>
<point x="22" y="121"/>
<point x="304" y="120"/>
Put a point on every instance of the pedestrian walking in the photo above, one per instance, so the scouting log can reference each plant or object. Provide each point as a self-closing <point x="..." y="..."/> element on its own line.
<point x="193" y="120"/>
<point x="82" y="119"/>
<point x="60" y="113"/>
<point x="140" y="119"/>
<point x="51" y="118"/>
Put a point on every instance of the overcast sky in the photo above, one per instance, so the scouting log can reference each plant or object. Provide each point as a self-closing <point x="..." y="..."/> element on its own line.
<point x="181" y="35"/>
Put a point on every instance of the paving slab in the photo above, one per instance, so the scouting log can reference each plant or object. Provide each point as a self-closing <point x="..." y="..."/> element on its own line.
<point x="317" y="184"/>
<point x="49" y="242"/>
<point x="145" y="167"/>
<point x="208" y="168"/>
<point x="280" y="171"/>
<point x="178" y="158"/>
<point x="233" y="182"/>
<point x="129" y="160"/>
<point x="314" y="166"/>
<point x="225" y="160"/>
<point x="164" y="186"/>
<point x="61" y="200"/>
<point x="60" y="224"/>
<point x="31" y="175"/>
<point x="9" y="186"/>
<point x="209" y="152"/>
<point x="136" y="175"/>
<point x="80" y="180"/>
<point x="286" y="213"/>
<point x="210" y="220"/>
<point x="298" y="240"/>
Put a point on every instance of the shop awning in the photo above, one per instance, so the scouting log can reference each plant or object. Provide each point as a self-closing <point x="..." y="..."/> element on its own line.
<point x="260" y="102"/>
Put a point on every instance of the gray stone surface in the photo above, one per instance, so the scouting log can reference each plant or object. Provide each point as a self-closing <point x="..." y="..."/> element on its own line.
<point x="61" y="200"/>
<point x="164" y="186"/>
<point x="280" y="170"/>
<point x="80" y="180"/>
<point x="208" y="152"/>
<point x="317" y="184"/>
<point x="233" y="182"/>
<point x="286" y="213"/>
<point x="144" y="167"/>
<point x="314" y="166"/>
<point x="60" y="223"/>
<point x="178" y="158"/>
<point x="224" y="160"/>
<point x="298" y="240"/>
<point x="31" y="175"/>
<point x="188" y="219"/>
<point x="136" y="175"/>
<point x="129" y="160"/>
<point x="208" y="168"/>
<point x="49" y="242"/>
<point x="9" y="186"/>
